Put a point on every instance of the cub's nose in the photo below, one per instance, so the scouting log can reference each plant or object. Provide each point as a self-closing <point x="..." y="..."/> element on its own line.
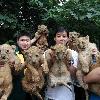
<point x="3" y="56"/>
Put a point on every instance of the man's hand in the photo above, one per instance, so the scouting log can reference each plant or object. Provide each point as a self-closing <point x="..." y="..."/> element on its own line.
<point x="72" y="70"/>
<point x="93" y="76"/>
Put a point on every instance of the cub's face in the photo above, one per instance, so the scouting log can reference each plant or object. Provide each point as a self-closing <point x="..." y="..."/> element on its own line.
<point x="59" y="51"/>
<point x="42" y="29"/>
<point x="82" y="43"/>
<point x="6" y="53"/>
<point x="73" y="35"/>
<point x="33" y="55"/>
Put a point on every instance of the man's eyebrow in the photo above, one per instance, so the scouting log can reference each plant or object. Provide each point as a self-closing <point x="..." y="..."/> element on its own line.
<point x="58" y="33"/>
<point x="25" y="39"/>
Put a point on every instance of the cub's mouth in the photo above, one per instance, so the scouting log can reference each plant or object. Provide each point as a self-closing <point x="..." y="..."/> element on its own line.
<point x="2" y="63"/>
<point x="83" y="48"/>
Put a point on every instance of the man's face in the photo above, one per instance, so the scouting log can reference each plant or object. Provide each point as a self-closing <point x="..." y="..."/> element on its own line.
<point x="61" y="38"/>
<point x="24" y="42"/>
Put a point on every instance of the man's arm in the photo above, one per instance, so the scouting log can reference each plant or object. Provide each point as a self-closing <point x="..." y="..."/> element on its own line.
<point x="72" y="70"/>
<point x="93" y="76"/>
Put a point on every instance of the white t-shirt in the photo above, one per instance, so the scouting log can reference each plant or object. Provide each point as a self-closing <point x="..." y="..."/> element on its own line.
<point x="62" y="92"/>
<point x="59" y="93"/>
<point x="75" y="58"/>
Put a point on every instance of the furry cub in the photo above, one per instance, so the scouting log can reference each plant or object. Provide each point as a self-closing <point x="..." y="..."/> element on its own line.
<point x="8" y="60"/>
<point x="58" y="58"/>
<point x="34" y="72"/>
<point x="41" y="36"/>
<point x="72" y="40"/>
<point x="86" y="52"/>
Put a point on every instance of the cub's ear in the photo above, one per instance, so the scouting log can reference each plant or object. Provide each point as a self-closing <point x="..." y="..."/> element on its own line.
<point x="78" y="34"/>
<point x="13" y="47"/>
<point x="39" y="26"/>
<point x="0" y="48"/>
<point x="87" y="38"/>
<point x="26" y="52"/>
<point x="52" y="48"/>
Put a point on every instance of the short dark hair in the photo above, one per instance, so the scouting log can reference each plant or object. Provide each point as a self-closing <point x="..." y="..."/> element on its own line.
<point x="61" y="29"/>
<point x="24" y="33"/>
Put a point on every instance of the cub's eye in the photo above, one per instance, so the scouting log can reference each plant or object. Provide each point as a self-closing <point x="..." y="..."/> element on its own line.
<point x="0" y="51"/>
<point x="37" y="55"/>
<point x="63" y="52"/>
<point x="26" y="53"/>
<point x="7" y="51"/>
<point x="82" y="42"/>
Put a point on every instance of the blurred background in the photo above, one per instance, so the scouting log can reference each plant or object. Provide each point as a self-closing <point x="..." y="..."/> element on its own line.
<point x="82" y="16"/>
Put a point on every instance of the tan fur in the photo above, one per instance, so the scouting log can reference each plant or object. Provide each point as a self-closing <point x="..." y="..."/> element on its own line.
<point x="72" y="40"/>
<point x="74" y="35"/>
<point x="7" y="57"/>
<point x="41" y="36"/>
<point x="95" y="87"/>
<point x="34" y="72"/>
<point x="85" y="50"/>
<point x="58" y="58"/>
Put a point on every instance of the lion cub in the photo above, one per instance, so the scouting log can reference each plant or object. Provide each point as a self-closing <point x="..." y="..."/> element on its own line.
<point x="7" y="56"/>
<point x="89" y="59"/>
<point x="40" y="38"/>
<point x="58" y="58"/>
<point x="36" y="67"/>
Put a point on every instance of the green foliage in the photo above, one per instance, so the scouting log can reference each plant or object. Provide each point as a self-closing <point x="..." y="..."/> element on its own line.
<point x="78" y="15"/>
<point x="8" y="21"/>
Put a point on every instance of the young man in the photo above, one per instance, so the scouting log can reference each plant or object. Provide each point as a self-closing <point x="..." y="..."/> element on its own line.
<point x="23" y="43"/>
<point x="62" y="92"/>
<point x="93" y="77"/>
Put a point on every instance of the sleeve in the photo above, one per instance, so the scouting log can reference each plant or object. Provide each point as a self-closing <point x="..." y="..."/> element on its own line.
<point x="75" y="58"/>
<point x="21" y="57"/>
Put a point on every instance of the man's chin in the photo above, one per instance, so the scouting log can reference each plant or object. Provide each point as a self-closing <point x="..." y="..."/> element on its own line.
<point x="62" y="43"/>
<point x="24" y="48"/>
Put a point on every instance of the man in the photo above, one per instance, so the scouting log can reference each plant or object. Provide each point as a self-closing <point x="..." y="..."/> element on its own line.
<point x="23" y="43"/>
<point x="62" y="92"/>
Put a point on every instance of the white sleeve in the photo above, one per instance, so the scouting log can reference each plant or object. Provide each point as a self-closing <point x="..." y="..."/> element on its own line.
<point x="44" y="55"/>
<point x="75" y="58"/>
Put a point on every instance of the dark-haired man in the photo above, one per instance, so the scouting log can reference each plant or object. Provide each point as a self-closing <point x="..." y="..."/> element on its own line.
<point x="23" y="43"/>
